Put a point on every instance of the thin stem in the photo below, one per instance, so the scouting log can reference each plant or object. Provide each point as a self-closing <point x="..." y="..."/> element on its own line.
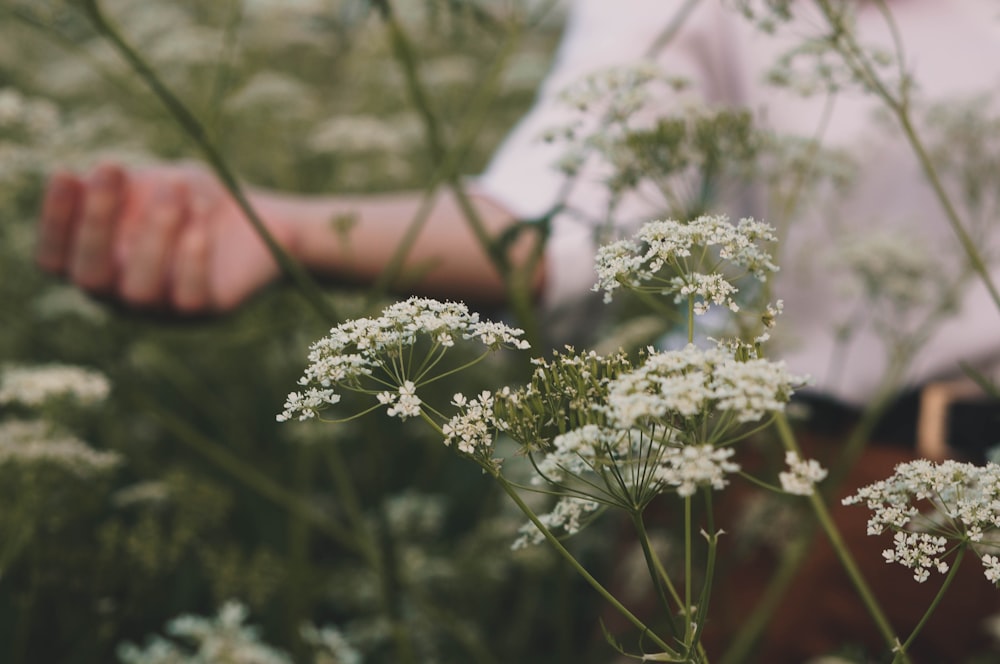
<point x="839" y="547"/>
<point x="517" y="282"/>
<point x="655" y="569"/>
<point x="249" y="475"/>
<point x="854" y="58"/>
<point x="687" y="567"/>
<point x="580" y="569"/>
<point x="704" y="599"/>
<point x="194" y="129"/>
<point x="901" y="652"/>
<point x="690" y="319"/>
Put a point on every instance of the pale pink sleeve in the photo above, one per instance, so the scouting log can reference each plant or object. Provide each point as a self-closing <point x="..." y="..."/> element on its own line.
<point x="522" y="175"/>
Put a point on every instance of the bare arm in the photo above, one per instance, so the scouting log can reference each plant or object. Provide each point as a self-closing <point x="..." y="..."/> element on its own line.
<point x="171" y="237"/>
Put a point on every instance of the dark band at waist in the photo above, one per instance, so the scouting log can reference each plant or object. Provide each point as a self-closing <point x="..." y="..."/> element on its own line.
<point x="972" y="426"/>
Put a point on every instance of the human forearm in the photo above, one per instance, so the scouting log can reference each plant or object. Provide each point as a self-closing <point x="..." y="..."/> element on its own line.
<point x="356" y="238"/>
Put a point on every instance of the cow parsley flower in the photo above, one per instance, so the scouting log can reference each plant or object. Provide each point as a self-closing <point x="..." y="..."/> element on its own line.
<point x="568" y="514"/>
<point x="692" y="466"/>
<point x="699" y="254"/>
<point x="38" y="444"/>
<point x="693" y="382"/>
<point x="802" y="476"/>
<point x="402" y="404"/>
<point x="226" y="638"/>
<point x="367" y="354"/>
<point x="927" y="504"/>
<point x="473" y="429"/>
<point x="34" y="385"/>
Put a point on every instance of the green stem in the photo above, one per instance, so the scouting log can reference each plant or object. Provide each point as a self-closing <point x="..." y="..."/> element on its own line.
<point x="853" y="56"/>
<point x="701" y="615"/>
<point x="656" y="572"/>
<point x="194" y="129"/>
<point x="689" y="633"/>
<point x="840" y="548"/>
<point x="901" y="651"/>
<point x="248" y="475"/>
<point x="690" y="319"/>
<point x="580" y="569"/>
<point x="517" y="282"/>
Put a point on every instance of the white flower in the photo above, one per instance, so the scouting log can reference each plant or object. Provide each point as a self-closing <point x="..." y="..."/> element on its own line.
<point x="692" y="466"/>
<point x="691" y="381"/>
<point x="402" y="404"/>
<point x="919" y="552"/>
<point x="473" y="429"/>
<point x="223" y="639"/>
<point x="992" y="568"/>
<point x="567" y="515"/>
<point x="34" y="385"/>
<point x="803" y="475"/>
<point x="679" y="246"/>
<point x="366" y="347"/>
<point x="37" y="443"/>
<point x="963" y="505"/>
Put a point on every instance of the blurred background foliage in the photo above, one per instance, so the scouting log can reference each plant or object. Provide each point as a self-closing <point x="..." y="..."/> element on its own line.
<point x="212" y="501"/>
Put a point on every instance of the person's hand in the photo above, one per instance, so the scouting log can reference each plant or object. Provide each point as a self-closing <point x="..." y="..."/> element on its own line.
<point x="168" y="237"/>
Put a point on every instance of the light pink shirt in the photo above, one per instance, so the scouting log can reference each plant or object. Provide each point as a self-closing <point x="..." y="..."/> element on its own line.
<point x="953" y="51"/>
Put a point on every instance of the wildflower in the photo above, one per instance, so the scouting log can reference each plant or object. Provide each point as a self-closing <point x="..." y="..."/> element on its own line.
<point x="372" y="348"/>
<point x="692" y="382"/>
<point x="692" y="466"/>
<point x="224" y="639"/>
<point x="34" y="385"/>
<point x="567" y="515"/>
<point x="37" y="443"/>
<point x="964" y="506"/>
<point x="472" y="429"/>
<point x="802" y="476"/>
<point x="678" y="246"/>
<point x="992" y="568"/>
<point x="404" y="403"/>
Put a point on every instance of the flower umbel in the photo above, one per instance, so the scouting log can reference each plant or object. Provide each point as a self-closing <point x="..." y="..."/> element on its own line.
<point x="693" y="254"/>
<point x="802" y="475"/>
<point x="368" y="355"/>
<point x="963" y="502"/>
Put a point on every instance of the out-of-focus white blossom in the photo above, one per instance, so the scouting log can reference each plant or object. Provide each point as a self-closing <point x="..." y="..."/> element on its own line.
<point x="224" y="639"/>
<point x="802" y="475"/>
<point x="567" y="515"/>
<point x="679" y="248"/>
<point x="34" y="442"/>
<point x="34" y="385"/>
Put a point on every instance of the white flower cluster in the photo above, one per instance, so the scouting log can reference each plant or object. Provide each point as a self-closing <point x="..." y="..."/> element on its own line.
<point x="34" y="385"/>
<point x="358" y="348"/>
<point x="577" y="452"/>
<point x="224" y="639"/>
<point x="690" y="382"/>
<point x="404" y="403"/>
<point x="692" y="466"/>
<point x="472" y="429"/>
<point x="683" y="247"/>
<point x="965" y="506"/>
<point x="642" y="466"/>
<point x="35" y="442"/>
<point x="567" y="514"/>
<point x="920" y="552"/>
<point x="802" y="476"/>
<point x="36" y="116"/>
